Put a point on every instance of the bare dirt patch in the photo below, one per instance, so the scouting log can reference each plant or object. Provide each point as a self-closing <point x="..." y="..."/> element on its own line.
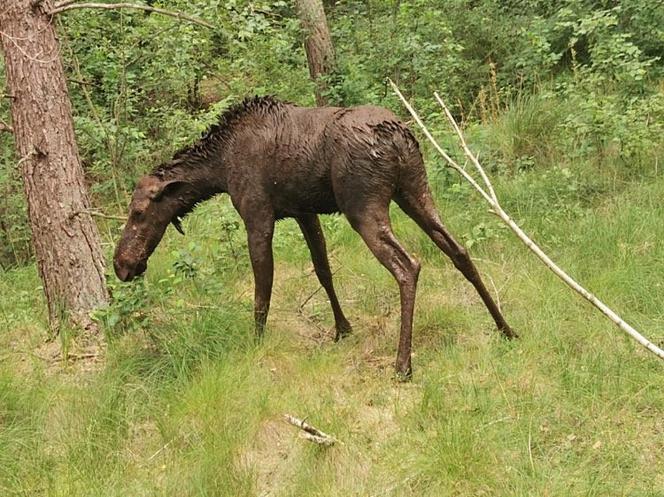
<point x="272" y="456"/>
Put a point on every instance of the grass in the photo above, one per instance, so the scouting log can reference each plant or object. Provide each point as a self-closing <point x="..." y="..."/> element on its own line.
<point x="187" y="404"/>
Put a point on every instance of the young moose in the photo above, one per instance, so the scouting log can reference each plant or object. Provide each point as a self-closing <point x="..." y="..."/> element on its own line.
<point x="278" y="160"/>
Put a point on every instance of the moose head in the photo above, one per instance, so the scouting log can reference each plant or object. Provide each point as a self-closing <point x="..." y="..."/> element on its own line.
<point x="154" y="205"/>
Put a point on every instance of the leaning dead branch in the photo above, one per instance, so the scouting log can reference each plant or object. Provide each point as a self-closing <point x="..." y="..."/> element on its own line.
<point x="311" y="433"/>
<point x="66" y="5"/>
<point x="490" y="196"/>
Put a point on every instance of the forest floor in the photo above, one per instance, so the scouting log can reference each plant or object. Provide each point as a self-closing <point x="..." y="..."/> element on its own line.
<point x="183" y="402"/>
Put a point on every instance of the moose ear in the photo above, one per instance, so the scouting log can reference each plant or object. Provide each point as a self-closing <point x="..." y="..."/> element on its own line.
<point x="165" y="188"/>
<point x="177" y="222"/>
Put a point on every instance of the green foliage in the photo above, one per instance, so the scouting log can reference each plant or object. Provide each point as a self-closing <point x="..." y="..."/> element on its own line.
<point x="482" y="233"/>
<point x="14" y="232"/>
<point x="185" y="264"/>
<point x="126" y="312"/>
<point x="614" y="126"/>
<point x="186" y="404"/>
<point x="149" y="84"/>
<point x="565" y="102"/>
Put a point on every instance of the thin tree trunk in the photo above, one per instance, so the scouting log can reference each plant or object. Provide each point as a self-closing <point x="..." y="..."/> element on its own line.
<point x="317" y="44"/>
<point x="65" y="238"/>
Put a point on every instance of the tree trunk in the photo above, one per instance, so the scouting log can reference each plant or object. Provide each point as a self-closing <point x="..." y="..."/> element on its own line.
<point x="65" y="238"/>
<point x="317" y="44"/>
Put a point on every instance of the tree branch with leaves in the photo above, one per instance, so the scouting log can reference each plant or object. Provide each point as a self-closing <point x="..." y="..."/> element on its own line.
<point x="71" y="5"/>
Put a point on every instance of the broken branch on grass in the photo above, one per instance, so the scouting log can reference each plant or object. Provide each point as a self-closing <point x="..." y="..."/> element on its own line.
<point x="498" y="210"/>
<point x="312" y="294"/>
<point x="65" y="6"/>
<point x="311" y="433"/>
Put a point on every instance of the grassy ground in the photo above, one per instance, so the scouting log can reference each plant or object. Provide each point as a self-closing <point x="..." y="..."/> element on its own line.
<point x="186" y="404"/>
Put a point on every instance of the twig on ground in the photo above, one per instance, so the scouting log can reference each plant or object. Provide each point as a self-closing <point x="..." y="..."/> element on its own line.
<point x="491" y="423"/>
<point x="312" y="294"/>
<point x="530" y="445"/>
<point x="498" y="210"/>
<point x="78" y="357"/>
<point x="161" y="449"/>
<point x="65" y="6"/>
<point x="311" y="433"/>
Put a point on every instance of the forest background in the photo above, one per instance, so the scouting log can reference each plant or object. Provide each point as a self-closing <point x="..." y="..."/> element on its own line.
<point x="564" y="102"/>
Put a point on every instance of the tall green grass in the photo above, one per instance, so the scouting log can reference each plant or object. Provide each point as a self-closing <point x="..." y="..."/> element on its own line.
<point x="186" y="403"/>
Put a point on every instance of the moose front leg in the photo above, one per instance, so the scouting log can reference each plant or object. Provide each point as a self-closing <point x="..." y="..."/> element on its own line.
<point x="259" y="235"/>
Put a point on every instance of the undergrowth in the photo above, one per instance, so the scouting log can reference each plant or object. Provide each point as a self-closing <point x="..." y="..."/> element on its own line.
<point x="186" y="402"/>
<point x="563" y="101"/>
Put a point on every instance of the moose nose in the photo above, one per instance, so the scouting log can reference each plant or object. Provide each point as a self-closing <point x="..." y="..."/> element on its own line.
<point x="126" y="271"/>
<point x="123" y="272"/>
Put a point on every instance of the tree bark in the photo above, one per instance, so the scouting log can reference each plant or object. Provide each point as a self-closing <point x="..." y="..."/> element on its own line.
<point x="65" y="238"/>
<point x="317" y="44"/>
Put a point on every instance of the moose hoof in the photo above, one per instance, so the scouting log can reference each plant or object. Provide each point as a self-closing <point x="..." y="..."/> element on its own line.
<point x="343" y="330"/>
<point x="508" y="332"/>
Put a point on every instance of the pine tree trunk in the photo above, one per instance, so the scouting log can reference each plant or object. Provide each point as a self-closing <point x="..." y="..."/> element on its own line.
<point x="317" y="44"/>
<point x="65" y="238"/>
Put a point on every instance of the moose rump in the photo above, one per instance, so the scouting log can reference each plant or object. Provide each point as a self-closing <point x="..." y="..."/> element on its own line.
<point x="279" y="160"/>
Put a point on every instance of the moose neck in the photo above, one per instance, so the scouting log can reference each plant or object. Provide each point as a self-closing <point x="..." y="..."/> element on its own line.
<point x="203" y="176"/>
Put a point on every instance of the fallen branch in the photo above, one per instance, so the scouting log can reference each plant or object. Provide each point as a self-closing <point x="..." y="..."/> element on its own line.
<point x="78" y="357"/>
<point x="65" y="6"/>
<point x="310" y="433"/>
<point x="491" y="198"/>
<point x="313" y="294"/>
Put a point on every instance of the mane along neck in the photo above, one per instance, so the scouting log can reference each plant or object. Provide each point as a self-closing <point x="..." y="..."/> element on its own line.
<point x="208" y="150"/>
<point x="202" y="165"/>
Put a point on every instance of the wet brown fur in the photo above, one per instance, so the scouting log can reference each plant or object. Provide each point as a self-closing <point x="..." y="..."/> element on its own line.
<point x="278" y="160"/>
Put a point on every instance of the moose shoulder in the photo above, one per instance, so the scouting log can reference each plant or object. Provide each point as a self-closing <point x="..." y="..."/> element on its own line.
<point x="279" y="160"/>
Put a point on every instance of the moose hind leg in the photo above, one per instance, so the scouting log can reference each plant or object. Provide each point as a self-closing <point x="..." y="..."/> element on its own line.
<point x="373" y="225"/>
<point x="259" y="236"/>
<point x="313" y="235"/>
<point x="421" y="209"/>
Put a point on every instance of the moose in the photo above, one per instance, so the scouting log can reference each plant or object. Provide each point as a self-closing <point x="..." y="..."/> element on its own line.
<point x="279" y="160"/>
